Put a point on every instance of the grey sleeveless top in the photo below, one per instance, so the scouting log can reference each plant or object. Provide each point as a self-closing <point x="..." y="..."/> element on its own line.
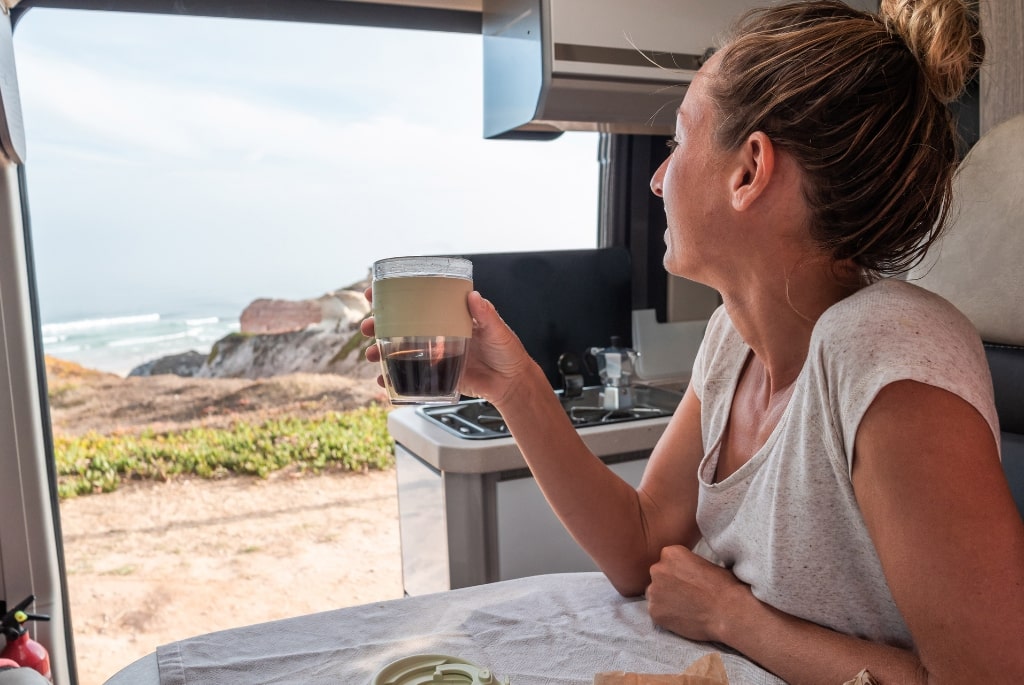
<point x="787" y="522"/>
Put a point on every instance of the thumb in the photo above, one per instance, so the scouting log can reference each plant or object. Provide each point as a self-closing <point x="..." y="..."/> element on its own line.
<point x="483" y="312"/>
<point x="488" y="326"/>
<point x="487" y="322"/>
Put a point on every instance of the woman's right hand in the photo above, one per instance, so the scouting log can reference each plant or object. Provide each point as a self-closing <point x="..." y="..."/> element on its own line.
<point x="496" y="362"/>
<point x="366" y="328"/>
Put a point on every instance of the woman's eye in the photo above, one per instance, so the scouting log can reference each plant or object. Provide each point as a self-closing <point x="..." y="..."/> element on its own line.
<point x="671" y="143"/>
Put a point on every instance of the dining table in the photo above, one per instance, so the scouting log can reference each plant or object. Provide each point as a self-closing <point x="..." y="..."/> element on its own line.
<point x="554" y="629"/>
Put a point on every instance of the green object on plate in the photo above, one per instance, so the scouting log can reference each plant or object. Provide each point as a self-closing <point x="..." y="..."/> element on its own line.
<point x="424" y="669"/>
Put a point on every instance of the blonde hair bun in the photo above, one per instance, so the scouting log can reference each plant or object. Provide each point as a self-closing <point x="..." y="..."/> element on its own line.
<point x="945" y="38"/>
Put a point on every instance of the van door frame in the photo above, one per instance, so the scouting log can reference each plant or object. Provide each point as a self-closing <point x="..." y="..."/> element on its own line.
<point x="31" y="554"/>
<point x="32" y="561"/>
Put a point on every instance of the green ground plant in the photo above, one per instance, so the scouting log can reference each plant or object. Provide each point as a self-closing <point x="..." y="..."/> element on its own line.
<point x="356" y="440"/>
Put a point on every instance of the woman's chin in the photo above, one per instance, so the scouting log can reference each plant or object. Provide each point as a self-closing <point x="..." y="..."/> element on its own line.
<point x="682" y="269"/>
<point x="674" y="265"/>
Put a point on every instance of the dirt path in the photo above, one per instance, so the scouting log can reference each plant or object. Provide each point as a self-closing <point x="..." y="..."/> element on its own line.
<point x="151" y="564"/>
<point x="83" y="400"/>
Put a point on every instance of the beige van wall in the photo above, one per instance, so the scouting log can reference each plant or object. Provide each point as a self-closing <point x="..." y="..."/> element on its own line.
<point x="1002" y="77"/>
<point x="689" y="301"/>
<point x="1002" y="97"/>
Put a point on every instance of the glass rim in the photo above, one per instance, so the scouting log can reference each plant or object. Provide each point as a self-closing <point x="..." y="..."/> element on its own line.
<point x="425" y="265"/>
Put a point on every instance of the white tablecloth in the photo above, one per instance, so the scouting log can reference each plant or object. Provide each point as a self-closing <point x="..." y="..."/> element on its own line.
<point x="545" y="630"/>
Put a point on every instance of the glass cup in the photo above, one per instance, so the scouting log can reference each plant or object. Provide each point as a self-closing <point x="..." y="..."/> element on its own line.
<point x="423" y="326"/>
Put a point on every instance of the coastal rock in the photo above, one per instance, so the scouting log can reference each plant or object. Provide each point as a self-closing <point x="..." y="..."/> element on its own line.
<point x="279" y="337"/>
<point x="279" y="316"/>
<point x="184" y="364"/>
<point x="345" y="307"/>
<point x="312" y="350"/>
<point x="339" y="309"/>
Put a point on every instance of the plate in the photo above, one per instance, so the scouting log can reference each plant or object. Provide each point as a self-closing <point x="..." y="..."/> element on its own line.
<point x="421" y="669"/>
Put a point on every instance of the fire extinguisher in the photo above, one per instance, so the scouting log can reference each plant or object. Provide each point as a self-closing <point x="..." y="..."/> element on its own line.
<point x="21" y="648"/>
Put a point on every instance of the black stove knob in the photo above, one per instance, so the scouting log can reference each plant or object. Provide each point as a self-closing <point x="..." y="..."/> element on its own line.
<point x="570" y="368"/>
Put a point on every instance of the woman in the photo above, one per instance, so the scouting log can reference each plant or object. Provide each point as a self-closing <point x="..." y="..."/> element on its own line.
<point x="834" y="462"/>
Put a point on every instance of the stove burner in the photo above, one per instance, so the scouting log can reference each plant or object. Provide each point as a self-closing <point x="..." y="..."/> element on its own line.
<point x="477" y="419"/>
<point x="590" y="415"/>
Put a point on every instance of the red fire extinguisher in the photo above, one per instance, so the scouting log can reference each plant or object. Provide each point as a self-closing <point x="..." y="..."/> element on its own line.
<point x="21" y="648"/>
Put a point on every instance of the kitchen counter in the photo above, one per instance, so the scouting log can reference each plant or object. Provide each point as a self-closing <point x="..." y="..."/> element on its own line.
<point x="470" y="511"/>
<point x="445" y="451"/>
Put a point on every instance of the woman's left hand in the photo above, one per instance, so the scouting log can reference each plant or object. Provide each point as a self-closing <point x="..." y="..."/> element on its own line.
<point x="691" y="596"/>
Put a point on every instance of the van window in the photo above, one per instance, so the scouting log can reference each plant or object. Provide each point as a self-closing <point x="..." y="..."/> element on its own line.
<point x="180" y="168"/>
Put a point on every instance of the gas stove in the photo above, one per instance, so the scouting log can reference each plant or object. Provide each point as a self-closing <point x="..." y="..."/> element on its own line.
<point x="469" y="508"/>
<point x="479" y="420"/>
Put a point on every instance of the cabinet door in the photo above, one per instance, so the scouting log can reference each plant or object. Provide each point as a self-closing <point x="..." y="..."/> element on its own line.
<point x="531" y="539"/>
<point x="422" y="525"/>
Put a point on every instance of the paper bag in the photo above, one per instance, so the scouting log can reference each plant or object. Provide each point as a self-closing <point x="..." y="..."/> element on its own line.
<point x="863" y="678"/>
<point x="707" y="670"/>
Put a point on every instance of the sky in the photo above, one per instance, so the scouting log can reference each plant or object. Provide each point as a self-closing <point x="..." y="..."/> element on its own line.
<point x="190" y="165"/>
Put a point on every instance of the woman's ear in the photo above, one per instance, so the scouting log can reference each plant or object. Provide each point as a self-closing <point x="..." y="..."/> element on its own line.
<point x="755" y="165"/>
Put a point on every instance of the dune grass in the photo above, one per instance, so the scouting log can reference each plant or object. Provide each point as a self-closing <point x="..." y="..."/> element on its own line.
<point x="356" y="440"/>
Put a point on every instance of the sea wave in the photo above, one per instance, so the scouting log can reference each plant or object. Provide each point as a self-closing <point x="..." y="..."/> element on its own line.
<point x="51" y="329"/>
<point x="148" y="340"/>
<point x="118" y="344"/>
<point x="63" y="349"/>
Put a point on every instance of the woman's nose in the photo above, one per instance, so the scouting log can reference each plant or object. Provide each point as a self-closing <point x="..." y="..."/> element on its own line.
<point x="658" y="178"/>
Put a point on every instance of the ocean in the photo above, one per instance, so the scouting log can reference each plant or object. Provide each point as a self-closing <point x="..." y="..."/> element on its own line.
<point x="118" y="344"/>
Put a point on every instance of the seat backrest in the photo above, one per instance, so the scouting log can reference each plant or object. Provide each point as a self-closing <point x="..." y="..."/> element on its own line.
<point x="979" y="266"/>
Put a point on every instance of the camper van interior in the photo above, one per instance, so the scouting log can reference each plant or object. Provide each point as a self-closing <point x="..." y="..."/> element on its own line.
<point x="585" y="92"/>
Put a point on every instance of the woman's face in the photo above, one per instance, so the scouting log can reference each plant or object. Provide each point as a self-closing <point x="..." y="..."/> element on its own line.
<point x="690" y="181"/>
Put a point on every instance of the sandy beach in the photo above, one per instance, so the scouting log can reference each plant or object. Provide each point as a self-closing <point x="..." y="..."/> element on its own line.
<point x="155" y="562"/>
<point x="151" y="564"/>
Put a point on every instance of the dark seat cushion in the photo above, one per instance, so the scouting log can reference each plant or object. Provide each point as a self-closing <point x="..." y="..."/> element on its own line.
<point x="1013" y="466"/>
<point x="1007" y="365"/>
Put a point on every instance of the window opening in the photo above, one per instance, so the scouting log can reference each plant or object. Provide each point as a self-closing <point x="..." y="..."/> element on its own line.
<point x="179" y="169"/>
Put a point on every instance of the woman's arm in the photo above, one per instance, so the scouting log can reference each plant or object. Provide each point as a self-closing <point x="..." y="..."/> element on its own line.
<point x="935" y="501"/>
<point x="701" y="601"/>
<point x="623" y="529"/>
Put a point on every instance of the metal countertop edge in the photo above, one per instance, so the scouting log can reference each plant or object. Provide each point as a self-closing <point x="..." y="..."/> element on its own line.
<point x="445" y="451"/>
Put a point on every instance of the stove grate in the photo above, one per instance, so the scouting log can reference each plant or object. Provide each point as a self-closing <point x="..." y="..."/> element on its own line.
<point x="477" y="419"/>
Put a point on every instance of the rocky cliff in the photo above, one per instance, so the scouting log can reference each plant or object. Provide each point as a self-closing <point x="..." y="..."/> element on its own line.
<point x="314" y="349"/>
<point x="319" y="335"/>
<point x="339" y="309"/>
<point x="276" y="337"/>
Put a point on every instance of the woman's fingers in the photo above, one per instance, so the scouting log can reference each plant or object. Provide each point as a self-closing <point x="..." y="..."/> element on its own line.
<point x="366" y="327"/>
<point x="373" y="353"/>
